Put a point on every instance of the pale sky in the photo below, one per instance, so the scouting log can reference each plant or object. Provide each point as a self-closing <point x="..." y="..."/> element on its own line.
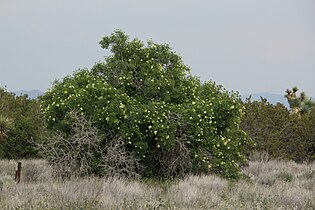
<point x="250" y="46"/>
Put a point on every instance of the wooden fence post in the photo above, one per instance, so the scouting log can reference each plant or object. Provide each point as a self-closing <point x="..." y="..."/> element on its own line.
<point x="18" y="172"/>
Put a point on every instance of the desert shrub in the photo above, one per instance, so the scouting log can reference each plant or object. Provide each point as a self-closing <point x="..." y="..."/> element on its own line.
<point x="21" y="125"/>
<point x="285" y="176"/>
<point x="83" y="152"/>
<point x="174" y="123"/>
<point x="33" y="170"/>
<point x="278" y="132"/>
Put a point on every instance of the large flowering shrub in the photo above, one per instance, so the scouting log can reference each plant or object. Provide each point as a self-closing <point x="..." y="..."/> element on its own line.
<point x="172" y="121"/>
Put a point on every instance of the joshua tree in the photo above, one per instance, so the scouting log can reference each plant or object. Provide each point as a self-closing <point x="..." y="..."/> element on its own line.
<point x="299" y="105"/>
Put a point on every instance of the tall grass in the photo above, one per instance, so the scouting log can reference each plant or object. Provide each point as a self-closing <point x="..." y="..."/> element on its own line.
<point x="271" y="184"/>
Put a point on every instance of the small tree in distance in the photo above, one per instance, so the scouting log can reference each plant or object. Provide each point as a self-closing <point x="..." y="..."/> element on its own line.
<point x="144" y="93"/>
<point x="299" y="105"/>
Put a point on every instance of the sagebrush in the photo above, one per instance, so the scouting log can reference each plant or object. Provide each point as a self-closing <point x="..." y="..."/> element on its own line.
<point x="271" y="184"/>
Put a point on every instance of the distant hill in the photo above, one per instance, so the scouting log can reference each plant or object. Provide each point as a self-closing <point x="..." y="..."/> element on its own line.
<point x="32" y="94"/>
<point x="271" y="98"/>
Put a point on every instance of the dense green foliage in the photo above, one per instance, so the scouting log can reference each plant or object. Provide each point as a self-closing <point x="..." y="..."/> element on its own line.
<point x="171" y="121"/>
<point x="21" y="125"/>
<point x="5" y="126"/>
<point x="279" y="132"/>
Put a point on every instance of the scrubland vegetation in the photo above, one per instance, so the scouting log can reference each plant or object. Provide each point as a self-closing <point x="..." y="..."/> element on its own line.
<point x="272" y="184"/>
<point x="137" y="131"/>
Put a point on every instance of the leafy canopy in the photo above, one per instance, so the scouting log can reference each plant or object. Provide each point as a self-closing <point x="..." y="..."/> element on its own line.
<point x="143" y="92"/>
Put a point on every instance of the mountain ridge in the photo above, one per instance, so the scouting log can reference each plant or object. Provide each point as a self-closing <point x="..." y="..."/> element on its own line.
<point x="32" y="94"/>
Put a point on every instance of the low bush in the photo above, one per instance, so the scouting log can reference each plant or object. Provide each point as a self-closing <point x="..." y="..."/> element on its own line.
<point x="279" y="132"/>
<point x="21" y="126"/>
<point x="83" y="152"/>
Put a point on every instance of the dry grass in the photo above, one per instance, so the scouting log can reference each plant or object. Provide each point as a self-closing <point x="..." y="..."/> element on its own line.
<point x="272" y="185"/>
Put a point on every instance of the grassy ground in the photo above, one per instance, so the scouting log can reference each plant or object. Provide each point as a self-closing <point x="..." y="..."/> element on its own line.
<point x="272" y="185"/>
